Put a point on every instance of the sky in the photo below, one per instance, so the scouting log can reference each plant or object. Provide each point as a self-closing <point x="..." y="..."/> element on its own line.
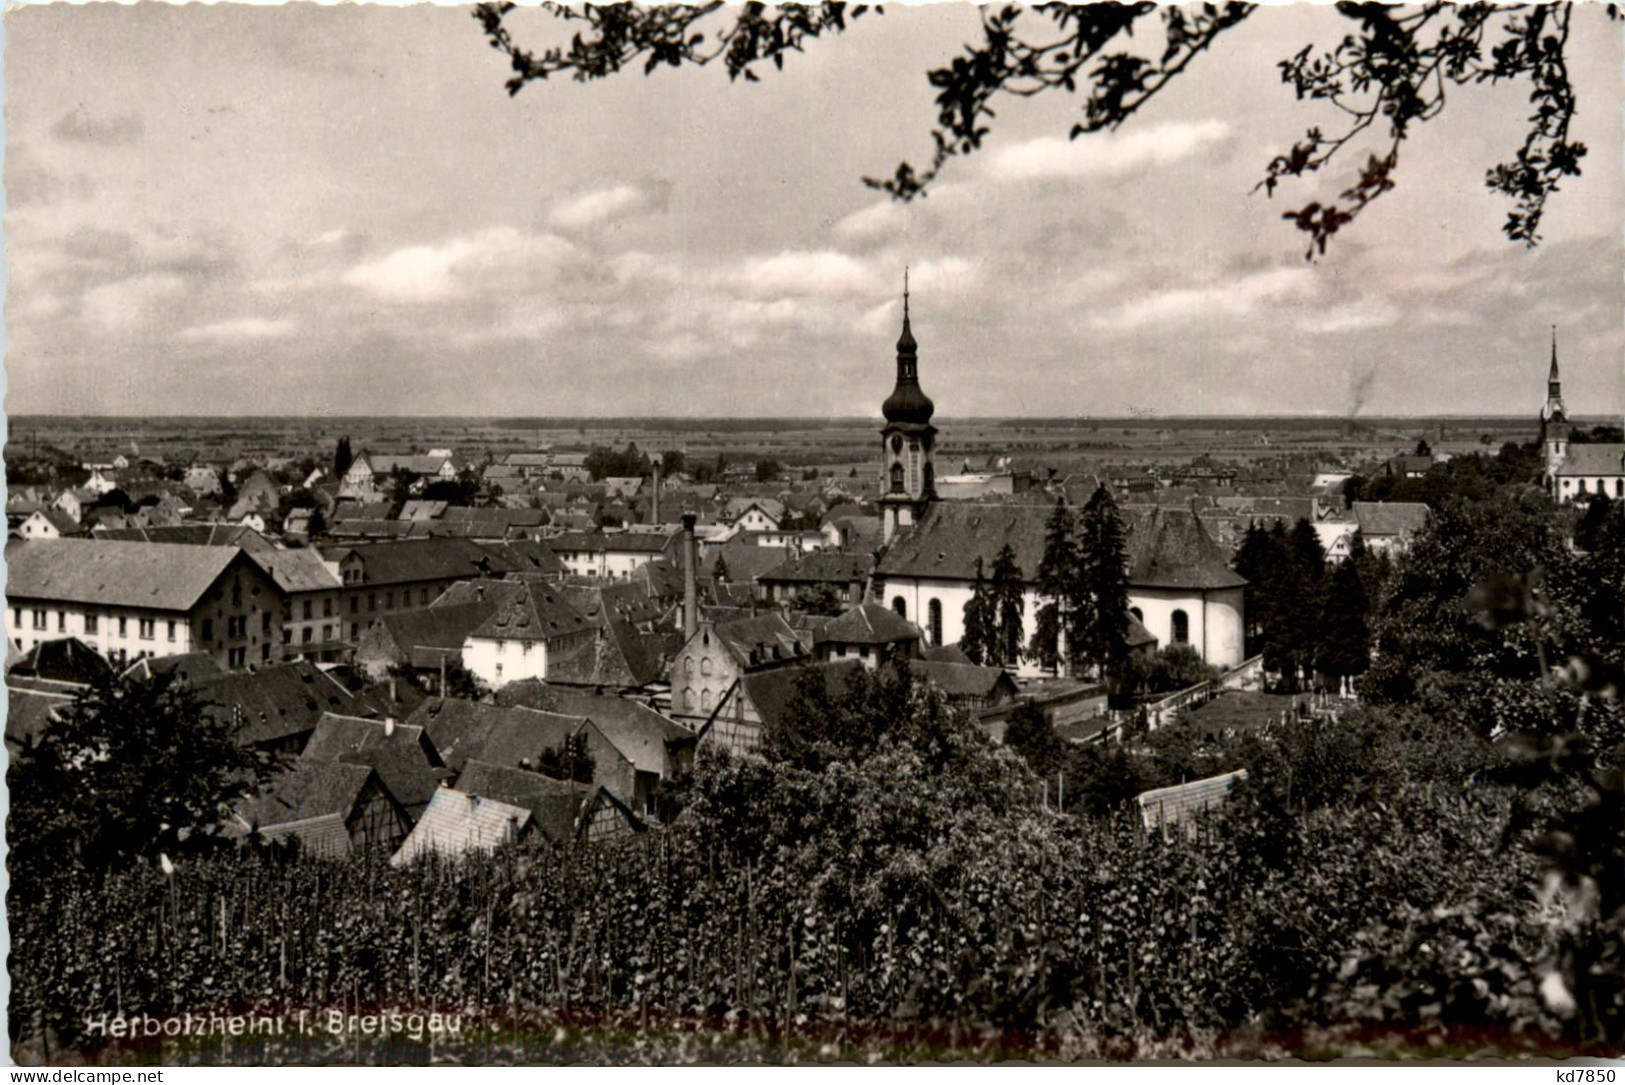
<point x="339" y="210"/>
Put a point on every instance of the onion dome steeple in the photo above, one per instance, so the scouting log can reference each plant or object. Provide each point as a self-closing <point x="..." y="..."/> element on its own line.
<point x="908" y="402"/>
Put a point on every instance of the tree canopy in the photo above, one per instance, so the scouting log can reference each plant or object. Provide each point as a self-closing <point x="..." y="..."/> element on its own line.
<point x="1393" y="70"/>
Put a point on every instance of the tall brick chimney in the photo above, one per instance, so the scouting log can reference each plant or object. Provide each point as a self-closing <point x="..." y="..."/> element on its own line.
<point x="691" y="587"/>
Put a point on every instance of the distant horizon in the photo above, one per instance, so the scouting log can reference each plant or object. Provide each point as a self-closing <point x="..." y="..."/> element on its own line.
<point x="939" y="421"/>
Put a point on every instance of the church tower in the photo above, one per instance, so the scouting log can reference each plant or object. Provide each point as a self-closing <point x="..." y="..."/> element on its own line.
<point x="1554" y="423"/>
<point x="908" y="476"/>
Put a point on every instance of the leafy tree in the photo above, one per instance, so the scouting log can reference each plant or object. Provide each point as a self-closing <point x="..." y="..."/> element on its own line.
<point x="1589" y="533"/>
<point x="342" y="458"/>
<point x="981" y="640"/>
<point x="768" y="470"/>
<point x="1393" y="70"/>
<point x="1057" y="576"/>
<point x="570" y="760"/>
<point x="1030" y="734"/>
<point x="1422" y="447"/>
<point x="719" y="571"/>
<point x="462" y="490"/>
<point x="128" y="771"/>
<point x="823" y="599"/>
<point x="1009" y="597"/>
<point x="317" y="525"/>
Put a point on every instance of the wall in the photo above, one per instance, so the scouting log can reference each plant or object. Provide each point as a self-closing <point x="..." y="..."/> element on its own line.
<point x="688" y="675"/>
<point x="498" y="662"/>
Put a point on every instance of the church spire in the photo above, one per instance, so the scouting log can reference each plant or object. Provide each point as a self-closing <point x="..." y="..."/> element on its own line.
<point x="1551" y="377"/>
<point x="1553" y="411"/>
<point x="908" y="402"/>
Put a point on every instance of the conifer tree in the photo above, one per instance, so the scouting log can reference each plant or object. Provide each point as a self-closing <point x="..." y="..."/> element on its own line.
<point x="978" y="643"/>
<point x="1104" y="580"/>
<point x="342" y="458"/>
<point x="1057" y="573"/>
<point x="1344" y="635"/>
<point x="1009" y="591"/>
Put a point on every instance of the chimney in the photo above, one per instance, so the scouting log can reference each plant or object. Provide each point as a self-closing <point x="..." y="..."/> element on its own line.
<point x="389" y="726"/>
<point x="691" y="589"/>
<point x="654" y="504"/>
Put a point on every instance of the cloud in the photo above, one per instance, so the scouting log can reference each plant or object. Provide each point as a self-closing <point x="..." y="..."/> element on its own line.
<point x="589" y="209"/>
<point x="1105" y="154"/>
<point x="1238" y="297"/>
<point x="243" y="329"/>
<point x="499" y="259"/>
<point x="805" y="274"/>
<point x="77" y="126"/>
<point x="878" y="221"/>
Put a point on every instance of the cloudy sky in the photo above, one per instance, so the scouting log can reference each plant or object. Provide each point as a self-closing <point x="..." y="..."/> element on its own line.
<point x="339" y="210"/>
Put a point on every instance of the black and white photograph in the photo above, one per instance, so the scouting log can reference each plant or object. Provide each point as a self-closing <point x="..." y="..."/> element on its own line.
<point x="662" y="535"/>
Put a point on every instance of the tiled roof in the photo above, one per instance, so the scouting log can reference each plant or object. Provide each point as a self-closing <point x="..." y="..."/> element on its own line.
<point x="867" y="623"/>
<point x="821" y="567"/>
<point x="511" y="517"/>
<point x="273" y="702"/>
<point x="638" y="731"/>
<point x="457" y="824"/>
<point x="960" y="679"/>
<point x="1593" y="459"/>
<point x="299" y="570"/>
<point x="951" y="536"/>
<point x="745" y="560"/>
<point x="621" y="542"/>
<point x="148" y="576"/>
<point x="1171" y="806"/>
<point x="309" y="789"/>
<point x="29" y="712"/>
<point x="1390" y="518"/>
<point x="443" y="626"/>
<point x="467" y="730"/>
<point x="754" y="640"/>
<point x="1169" y="548"/>
<point x="553" y="804"/>
<point x="772" y="692"/>
<point x="534" y="612"/>
<point x="66" y="659"/>
<point x="194" y="535"/>
<point x="404" y="757"/>
<point x="189" y="666"/>
<point x="618" y="657"/>
<point x="411" y="560"/>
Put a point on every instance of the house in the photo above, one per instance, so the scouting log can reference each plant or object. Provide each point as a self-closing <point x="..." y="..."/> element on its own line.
<point x="257" y="493"/>
<point x="427" y="641"/>
<point x="606" y="817"/>
<point x="852" y="531"/>
<point x="330" y="809"/>
<point x="759" y="701"/>
<point x="276" y="707"/>
<point x="47" y="523"/>
<point x="753" y="514"/>
<point x="619" y="657"/>
<point x="1590" y="470"/>
<point x="610" y="555"/>
<point x="966" y="685"/>
<point x="1182" y="589"/>
<point x="845" y="575"/>
<point x="312" y="599"/>
<point x="1407" y="466"/>
<point x="657" y="749"/>
<point x="66" y="660"/>
<point x="529" y="626"/>
<point x="554" y="805"/>
<point x="516" y="737"/>
<point x="201" y="478"/>
<point x="185" y="667"/>
<point x="1390" y="526"/>
<point x="402" y="754"/>
<point x="708" y="664"/>
<point x="569" y="466"/>
<point x="869" y="633"/>
<point x="457" y="824"/>
<point x="130" y="600"/>
<point x="384" y="578"/>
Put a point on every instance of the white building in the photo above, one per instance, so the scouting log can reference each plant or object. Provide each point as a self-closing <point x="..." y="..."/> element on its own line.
<point x="531" y="627"/>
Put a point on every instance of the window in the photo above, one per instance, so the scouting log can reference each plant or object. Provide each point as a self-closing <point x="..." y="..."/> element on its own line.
<point x="124" y="627"/>
<point x="265" y="621"/>
<point x="863" y="651"/>
<point x="1181" y="627"/>
<point x="17" y="617"/>
<point x="372" y="600"/>
<point x="169" y="631"/>
<point x="327" y="633"/>
<point x="688" y="698"/>
<point x="147" y="628"/>
<point x="265" y="653"/>
<point x="389" y="600"/>
<point x="355" y="604"/>
<point x="688" y="667"/>
<point x="307" y="609"/>
<point x="705" y="699"/>
<point x="526" y="647"/>
<point x="897" y="478"/>
<point x="705" y="665"/>
<point x="499" y="670"/>
<point x="327" y="607"/>
<point x="355" y="631"/>
<point x="933" y="611"/>
<point x="287" y="635"/>
<point x="61" y="621"/>
<point x="502" y="646"/>
<point x="423" y="597"/>
<point x="92" y="624"/>
<point x="898" y="605"/>
<point x="307" y="635"/>
<point x="39" y="619"/>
